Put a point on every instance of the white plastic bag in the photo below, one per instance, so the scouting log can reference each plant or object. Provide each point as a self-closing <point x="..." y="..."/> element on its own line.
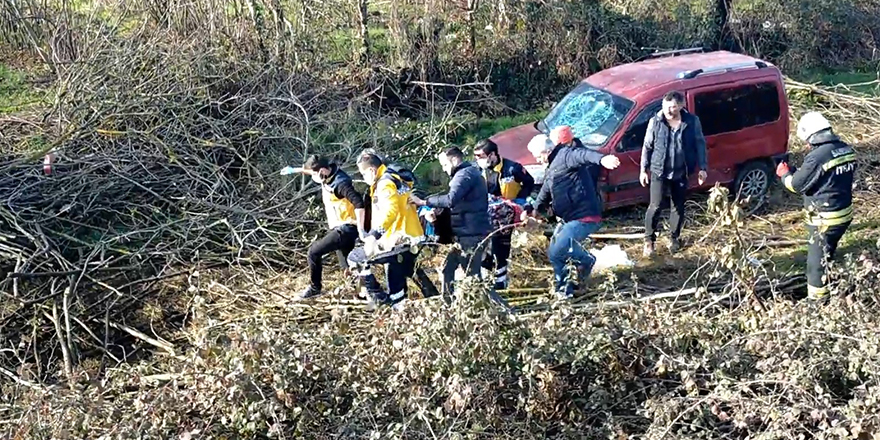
<point x="610" y="257"/>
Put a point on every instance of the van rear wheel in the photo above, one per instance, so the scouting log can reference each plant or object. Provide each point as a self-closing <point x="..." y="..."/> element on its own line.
<point x="751" y="186"/>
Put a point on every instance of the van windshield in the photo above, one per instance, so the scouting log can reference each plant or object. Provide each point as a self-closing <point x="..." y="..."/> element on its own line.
<point x="593" y="114"/>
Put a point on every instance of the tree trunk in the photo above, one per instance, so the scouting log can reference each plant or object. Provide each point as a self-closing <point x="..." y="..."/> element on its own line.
<point x="363" y="53"/>
<point x="721" y="17"/>
<point x="472" y="6"/>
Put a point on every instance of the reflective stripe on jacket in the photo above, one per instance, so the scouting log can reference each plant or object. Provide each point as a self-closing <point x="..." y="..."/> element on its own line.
<point x="825" y="180"/>
<point x="509" y="180"/>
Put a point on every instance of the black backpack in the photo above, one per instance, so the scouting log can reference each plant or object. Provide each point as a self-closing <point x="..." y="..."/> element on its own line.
<point x="407" y="176"/>
<point x="404" y="172"/>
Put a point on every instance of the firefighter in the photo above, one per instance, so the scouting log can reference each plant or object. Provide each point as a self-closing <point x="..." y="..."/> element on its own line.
<point x="825" y="180"/>
<point x="345" y="211"/>
<point x="509" y="180"/>
<point x="394" y="223"/>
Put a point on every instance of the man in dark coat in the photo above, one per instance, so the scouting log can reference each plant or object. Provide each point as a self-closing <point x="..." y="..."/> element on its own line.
<point x="674" y="148"/>
<point x="570" y="191"/>
<point x="468" y="204"/>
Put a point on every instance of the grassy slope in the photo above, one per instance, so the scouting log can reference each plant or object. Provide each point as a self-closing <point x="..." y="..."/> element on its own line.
<point x="16" y="92"/>
<point x="860" y="81"/>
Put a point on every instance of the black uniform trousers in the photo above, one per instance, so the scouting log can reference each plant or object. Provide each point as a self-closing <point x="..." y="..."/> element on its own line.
<point x="822" y="248"/>
<point x="399" y="264"/>
<point x="497" y="259"/>
<point x="341" y="240"/>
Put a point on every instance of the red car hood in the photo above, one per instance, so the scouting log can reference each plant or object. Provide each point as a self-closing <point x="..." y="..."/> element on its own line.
<point x="512" y="144"/>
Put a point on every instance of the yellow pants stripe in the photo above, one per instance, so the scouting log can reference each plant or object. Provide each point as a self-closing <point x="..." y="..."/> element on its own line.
<point x="830" y="218"/>
<point x="816" y="292"/>
<point x="787" y="183"/>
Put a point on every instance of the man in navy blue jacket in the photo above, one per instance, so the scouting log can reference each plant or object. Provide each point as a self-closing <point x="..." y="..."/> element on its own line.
<point x="570" y="190"/>
<point x="468" y="204"/>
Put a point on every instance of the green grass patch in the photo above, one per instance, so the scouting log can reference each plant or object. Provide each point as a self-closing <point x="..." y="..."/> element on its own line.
<point x="429" y="172"/>
<point x="16" y="93"/>
<point x="380" y="41"/>
<point x="864" y="81"/>
<point x="484" y="128"/>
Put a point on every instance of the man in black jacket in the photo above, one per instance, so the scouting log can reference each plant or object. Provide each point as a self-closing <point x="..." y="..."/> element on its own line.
<point x="570" y="190"/>
<point x="674" y="148"/>
<point x="468" y="203"/>
<point x="345" y="211"/>
<point x="509" y="180"/>
<point x="825" y="180"/>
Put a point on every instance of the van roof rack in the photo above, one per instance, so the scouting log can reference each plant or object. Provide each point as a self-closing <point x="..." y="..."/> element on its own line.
<point x="691" y="74"/>
<point x="673" y="52"/>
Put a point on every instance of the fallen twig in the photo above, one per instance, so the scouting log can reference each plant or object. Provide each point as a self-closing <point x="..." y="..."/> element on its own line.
<point x="167" y="346"/>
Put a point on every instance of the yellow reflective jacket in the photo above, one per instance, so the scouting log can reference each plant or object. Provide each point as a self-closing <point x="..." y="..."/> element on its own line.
<point x="339" y="210"/>
<point x="392" y="216"/>
<point x="509" y="180"/>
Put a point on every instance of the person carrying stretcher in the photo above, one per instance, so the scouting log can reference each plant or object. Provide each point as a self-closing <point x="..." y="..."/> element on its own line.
<point x="394" y="230"/>
<point x="507" y="180"/>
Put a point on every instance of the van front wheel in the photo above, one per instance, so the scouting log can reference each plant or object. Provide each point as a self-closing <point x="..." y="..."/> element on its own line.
<point x="751" y="186"/>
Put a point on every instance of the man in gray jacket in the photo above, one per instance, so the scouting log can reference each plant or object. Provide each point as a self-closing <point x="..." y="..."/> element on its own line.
<point x="674" y="148"/>
<point x="468" y="204"/>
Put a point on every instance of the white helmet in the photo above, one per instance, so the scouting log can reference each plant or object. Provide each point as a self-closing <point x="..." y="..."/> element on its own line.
<point x="540" y="144"/>
<point x="810" y="124"/>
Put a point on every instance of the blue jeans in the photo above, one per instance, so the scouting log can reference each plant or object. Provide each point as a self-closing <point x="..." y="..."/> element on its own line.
<point x="565" y="246"/>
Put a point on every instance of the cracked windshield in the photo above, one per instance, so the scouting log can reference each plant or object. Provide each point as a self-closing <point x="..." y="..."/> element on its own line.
<point x="593" y="114"/>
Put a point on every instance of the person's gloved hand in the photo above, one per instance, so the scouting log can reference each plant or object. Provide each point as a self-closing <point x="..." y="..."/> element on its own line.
<point x="782" y="169"/>
<point x="290" y="170"/>
<point x="371" y="246"/>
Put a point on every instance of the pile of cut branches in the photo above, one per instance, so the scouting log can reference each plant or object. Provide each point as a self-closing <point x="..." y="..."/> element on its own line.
<point x="155" y="173"/>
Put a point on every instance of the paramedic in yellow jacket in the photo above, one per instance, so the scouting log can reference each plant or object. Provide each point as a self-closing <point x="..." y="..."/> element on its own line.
<point x="394" y="222"/>
<point x="345" y="211"/>
<point x="509" y="180"/>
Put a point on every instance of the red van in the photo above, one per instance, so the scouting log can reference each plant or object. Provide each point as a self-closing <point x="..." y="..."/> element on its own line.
<point x="741" y="102"/>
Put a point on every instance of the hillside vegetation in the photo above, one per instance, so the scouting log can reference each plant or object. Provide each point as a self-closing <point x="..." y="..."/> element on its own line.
<point x="146" y="283"/>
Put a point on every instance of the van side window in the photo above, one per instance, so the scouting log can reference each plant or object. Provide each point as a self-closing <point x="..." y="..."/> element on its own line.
<point x="727" y="110"/>
<point x="635" y="135"/>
